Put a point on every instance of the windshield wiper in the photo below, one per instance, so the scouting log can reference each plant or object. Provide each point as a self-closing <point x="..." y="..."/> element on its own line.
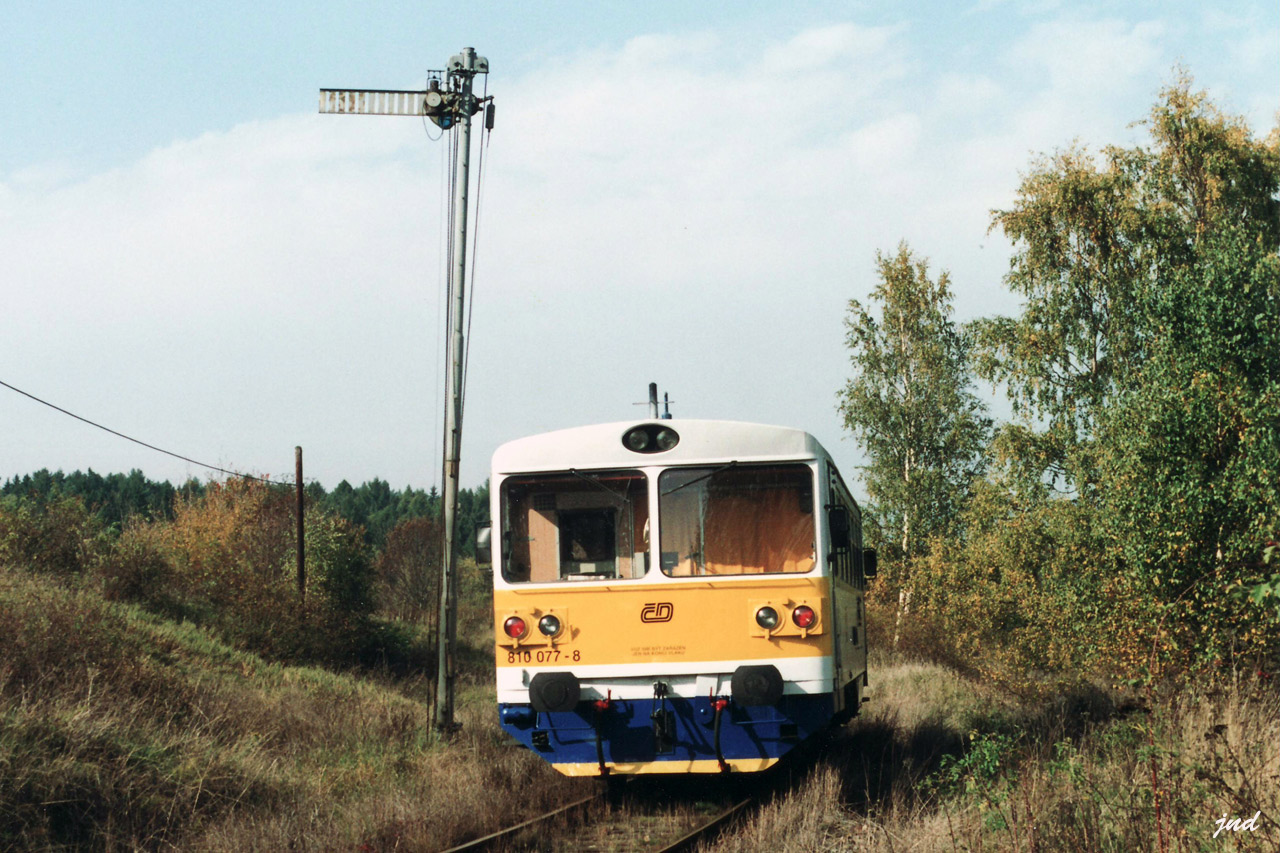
<point x="706" y="476"/>
<point x="622" y="498"/>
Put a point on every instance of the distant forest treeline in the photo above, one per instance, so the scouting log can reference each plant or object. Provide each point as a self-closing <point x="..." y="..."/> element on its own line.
<point x="375" y="506"/>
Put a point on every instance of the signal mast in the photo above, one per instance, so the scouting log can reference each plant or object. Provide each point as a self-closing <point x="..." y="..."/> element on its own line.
<point x="451" y="107"/>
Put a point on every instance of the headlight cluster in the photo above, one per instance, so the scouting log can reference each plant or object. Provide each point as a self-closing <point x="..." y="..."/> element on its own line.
<point x="803" y="616"/>
<point x="517" y="629"/>
<point x="650" y="438"/>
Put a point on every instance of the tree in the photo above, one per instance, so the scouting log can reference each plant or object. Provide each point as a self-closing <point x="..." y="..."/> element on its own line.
<point x="1189" y="454"/>
<point x="1094" y="239"/>
<point x="1146" y="362"/>
<point x="911" y="406"/>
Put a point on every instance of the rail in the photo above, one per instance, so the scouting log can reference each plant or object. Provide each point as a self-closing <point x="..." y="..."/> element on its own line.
<point x="715" y="825"/>
<point x="511" y="831"/>
<point x="511" y="837"/>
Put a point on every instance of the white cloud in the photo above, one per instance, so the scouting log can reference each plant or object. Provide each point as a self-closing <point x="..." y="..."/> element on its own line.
<point x="673" y="210"/>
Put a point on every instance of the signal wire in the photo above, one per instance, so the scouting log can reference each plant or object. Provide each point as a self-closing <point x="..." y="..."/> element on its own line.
<point x="475" y="243"/>
<point x="143" y="443"/>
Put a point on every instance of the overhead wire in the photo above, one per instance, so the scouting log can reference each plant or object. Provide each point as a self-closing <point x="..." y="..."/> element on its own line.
<point x="143" y="443"/>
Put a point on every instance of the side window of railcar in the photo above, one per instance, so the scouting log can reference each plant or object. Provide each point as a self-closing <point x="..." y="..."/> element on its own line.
<point x="842" y="556"/>
<point x="859" y="575"/>
<point x="736" y="519"/>
<point x="578" y="526"/>
<point x="846" y="558"/>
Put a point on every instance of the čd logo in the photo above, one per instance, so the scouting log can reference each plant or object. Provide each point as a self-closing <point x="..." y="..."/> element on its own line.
<point x="657" y="611"/>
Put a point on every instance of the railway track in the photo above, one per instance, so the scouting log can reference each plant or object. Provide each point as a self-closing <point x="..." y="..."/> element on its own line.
<point x="511" y="837"/>
<point x="709" y="829"/>
<point x="624" y="823"/>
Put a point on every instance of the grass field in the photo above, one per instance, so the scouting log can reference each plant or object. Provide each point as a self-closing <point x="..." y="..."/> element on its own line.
<point x="123" y="730"/>
<point x="149" y="701"/>
<point x="942" y="761"/>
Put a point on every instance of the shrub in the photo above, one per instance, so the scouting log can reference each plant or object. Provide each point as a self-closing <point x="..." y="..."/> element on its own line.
<point x="408" y="569"/>
<point x="132" y="568"/>
<point x="56" y="536"/>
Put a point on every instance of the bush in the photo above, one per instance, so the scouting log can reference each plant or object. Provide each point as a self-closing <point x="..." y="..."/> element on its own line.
<point x="408" y="570"/>
<point x="132" y="568"/>
<point x="57" y="536"/>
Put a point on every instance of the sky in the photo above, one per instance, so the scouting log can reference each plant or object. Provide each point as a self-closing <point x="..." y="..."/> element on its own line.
<point x="680" y="193"/>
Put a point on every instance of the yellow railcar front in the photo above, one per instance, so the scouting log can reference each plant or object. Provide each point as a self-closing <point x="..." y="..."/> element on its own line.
<point x="669" y="597"/>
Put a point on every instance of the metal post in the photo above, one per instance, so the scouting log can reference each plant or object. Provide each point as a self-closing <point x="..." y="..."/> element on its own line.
<point x="451" y="108"/>
<point x="466" y="70"/>
<point x="302" y="544"/>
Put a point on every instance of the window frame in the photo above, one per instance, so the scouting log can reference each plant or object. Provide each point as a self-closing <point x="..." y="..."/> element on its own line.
<point x="709" y="469"/>
<point x="540" y="484"/>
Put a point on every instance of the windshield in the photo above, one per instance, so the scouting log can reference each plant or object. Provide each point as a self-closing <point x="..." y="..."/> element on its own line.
<point x="736" y="519"/>
<point x="582" y="525"/>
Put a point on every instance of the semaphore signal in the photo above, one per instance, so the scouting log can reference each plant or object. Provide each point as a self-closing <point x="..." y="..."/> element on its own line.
<point x="450" y="102"/>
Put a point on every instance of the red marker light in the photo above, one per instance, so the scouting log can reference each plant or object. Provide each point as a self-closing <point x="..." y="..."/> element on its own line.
<point x="803" y="616"/>
<point x="515" y="627"/>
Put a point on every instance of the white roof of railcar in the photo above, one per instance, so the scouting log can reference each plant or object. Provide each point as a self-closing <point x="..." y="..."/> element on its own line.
<point x="600" y="446"/>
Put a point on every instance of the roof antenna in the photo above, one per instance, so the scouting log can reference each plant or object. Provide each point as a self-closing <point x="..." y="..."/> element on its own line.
<point x="666" y="406"/>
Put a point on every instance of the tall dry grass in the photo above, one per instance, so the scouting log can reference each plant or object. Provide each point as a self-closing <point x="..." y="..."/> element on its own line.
<point x="153" y="692"/>
<point x="942" y="761"/>
<point x="122" y="730"/>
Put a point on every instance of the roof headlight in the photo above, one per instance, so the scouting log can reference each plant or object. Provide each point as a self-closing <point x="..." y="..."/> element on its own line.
<point x="637" y="440"/>
<point x="650" y="438"/>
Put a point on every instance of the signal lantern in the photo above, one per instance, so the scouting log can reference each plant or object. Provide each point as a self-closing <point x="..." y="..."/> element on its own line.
<point x="549" y="625"/>
<point x="803" y="616"/>
<point x="515" y="627"/>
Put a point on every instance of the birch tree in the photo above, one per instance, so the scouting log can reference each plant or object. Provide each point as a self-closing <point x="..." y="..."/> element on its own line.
<point x="911" y="406"/>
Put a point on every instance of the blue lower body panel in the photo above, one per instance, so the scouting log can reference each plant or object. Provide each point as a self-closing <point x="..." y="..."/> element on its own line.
<point x="627" y="738"/>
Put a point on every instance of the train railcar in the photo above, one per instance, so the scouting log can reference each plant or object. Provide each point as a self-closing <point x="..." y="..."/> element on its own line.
<point x="674" y="596"/>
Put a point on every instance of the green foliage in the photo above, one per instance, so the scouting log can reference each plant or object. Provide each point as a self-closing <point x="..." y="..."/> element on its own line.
<point x="114" y="499"/>
<point x="911" y="405"/>
<point x="979" y="770"/>
<point x="132" y="568"/>
<point x="408" y="569"/>
<point x="378" y="508"/>
<point x="1265" y="593"/>
<point x="1190" y="454"/>
<point x="1124" y="519"/>
<point x="53" y="536"/>
<point x="340" y="564"/>
<point x="1022" y="589"/>
<point x="1096" y="243"/>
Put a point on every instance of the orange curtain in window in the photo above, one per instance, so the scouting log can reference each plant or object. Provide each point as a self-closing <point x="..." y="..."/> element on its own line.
<point x="764" y="531"/>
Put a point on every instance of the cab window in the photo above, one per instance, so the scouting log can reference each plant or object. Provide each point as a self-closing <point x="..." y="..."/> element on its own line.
<point x="586" y="525"/>
<point x="736" y="519"/>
